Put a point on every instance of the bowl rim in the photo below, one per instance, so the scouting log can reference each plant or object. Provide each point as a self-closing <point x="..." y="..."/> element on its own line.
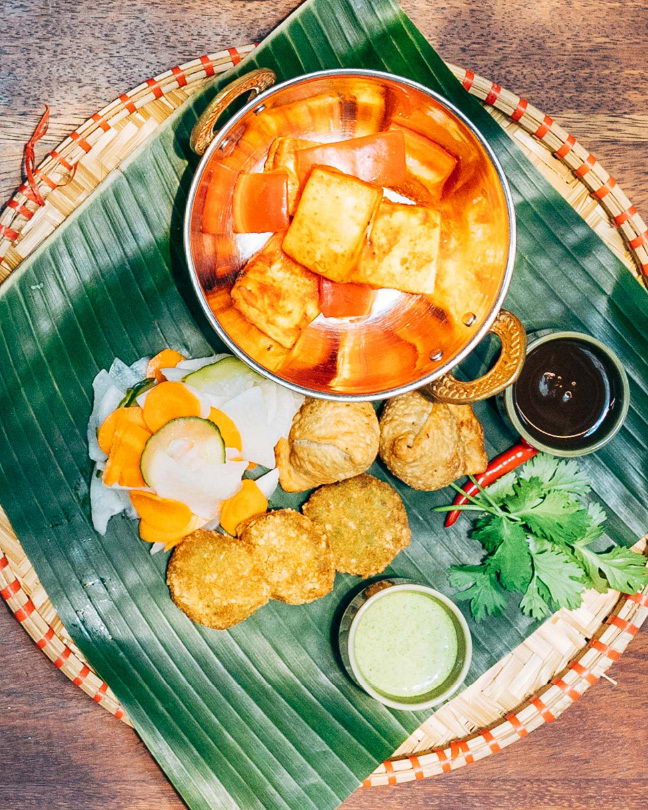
<point x="450" y="606"/>
<point x="546" y="336"/>
<point x="332" y="395"/>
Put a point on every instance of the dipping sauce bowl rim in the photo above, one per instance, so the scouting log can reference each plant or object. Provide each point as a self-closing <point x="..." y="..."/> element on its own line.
<point x="408" y="585"/>
<point x="511" y="411"/>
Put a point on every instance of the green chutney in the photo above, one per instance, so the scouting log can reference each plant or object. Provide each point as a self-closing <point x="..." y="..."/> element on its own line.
<point x="405" y="644"/>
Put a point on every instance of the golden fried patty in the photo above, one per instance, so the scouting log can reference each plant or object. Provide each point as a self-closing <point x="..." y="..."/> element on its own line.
<point x="216" y="580"/>
<point x="364" y="520"/>
<point x="293" y="553"/>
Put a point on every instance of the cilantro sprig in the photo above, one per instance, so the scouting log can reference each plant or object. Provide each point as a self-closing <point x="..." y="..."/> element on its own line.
<point x="537" y="532"/>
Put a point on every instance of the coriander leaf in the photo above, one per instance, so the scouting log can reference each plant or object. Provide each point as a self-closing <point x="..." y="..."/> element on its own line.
<point x="561" y="575"/>
<point x="527" y="493"/>
<point x="594" y="529"/>
<point x="533" y="604"/>
<point x="487" y="530"/>
<point x="502" y="489"/>
<point x="557" y="474"/>
<point x="512" y="560"/>
<point x="482" y="589"/>
<point x="557" y="517"/>
<point x="625" y="570"/>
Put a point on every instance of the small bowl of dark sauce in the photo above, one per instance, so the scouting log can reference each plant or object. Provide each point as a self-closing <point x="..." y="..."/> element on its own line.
<point x="572" y="395"/>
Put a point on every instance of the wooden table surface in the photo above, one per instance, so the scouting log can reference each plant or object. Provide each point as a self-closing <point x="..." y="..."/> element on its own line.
<point x="583" y="62"/>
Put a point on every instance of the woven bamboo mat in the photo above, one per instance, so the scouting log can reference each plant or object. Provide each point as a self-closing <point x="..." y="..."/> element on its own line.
<point x="552" y="668"/>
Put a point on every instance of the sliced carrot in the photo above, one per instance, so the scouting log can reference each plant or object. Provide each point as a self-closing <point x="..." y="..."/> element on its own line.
<point x="114" y="423"/>
<point x="378" y="158"/>
<point x="228" y="429"/>
<point x="167" y="358"/>
<point x="123" y="465"/>
<point x="247" y="502"/>
<point x="152" y="534"/>
<point x="167" y="401"/>
<point x="161" y="513"/>
<point x="261" y="202"/>
<point x="339" y="300"/>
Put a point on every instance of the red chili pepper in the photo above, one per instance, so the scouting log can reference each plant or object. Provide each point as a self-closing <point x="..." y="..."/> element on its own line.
<point x="499" y="466"/>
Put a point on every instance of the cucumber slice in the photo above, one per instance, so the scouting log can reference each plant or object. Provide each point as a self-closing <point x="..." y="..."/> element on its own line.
<point x="185" y="461"/>
<point x="224" y="379"/>
<point x="130" y="397"/>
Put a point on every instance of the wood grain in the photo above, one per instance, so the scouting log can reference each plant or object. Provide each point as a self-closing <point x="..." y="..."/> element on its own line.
<point x="583" y="62"/>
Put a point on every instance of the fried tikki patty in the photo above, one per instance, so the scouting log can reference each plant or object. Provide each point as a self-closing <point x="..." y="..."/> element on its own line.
<point x="216" y="580"/>
<point x="293" y="553"/>
<point x="364" y="520"/>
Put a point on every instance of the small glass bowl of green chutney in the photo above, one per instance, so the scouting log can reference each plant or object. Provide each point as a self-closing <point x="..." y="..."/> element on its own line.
<point x="405" y="644"/>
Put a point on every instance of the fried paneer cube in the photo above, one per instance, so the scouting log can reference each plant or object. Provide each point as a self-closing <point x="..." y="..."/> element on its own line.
<point x="282" y="156"/>
<point x="402" y="250"/>
<point x="277" y="295"/>
<point x="331" y="222"/>
<point x="367" y="102"/>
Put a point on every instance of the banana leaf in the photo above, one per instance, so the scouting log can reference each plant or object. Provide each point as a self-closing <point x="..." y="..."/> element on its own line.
<point x="260" y="716"/>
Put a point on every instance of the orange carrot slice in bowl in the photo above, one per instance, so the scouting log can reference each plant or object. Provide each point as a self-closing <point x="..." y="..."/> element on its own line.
<point x="228" y="429"/>
<point x="247" y="502"/>
<point x="152" y="534"/>
<point x="123" y="465"/>
<point x="161" y="513"/>
<point x="167" y="401"/>
<point x="114" y="424"/>
<point x="167" y="358"/>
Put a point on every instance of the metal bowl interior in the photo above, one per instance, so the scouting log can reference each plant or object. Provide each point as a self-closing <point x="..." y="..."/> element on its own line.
<point x="407" y="340"/>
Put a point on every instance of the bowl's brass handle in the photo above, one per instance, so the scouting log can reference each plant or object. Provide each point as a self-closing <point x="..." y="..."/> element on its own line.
<point x="505" y="371"/>
<point x="203" y="132"/>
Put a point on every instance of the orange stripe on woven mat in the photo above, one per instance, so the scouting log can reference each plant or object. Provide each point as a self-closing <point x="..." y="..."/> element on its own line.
<point x="566" y="147"/>
<point x="597" y="644"/>
<point x="545" y="713"/>
<point x="517" y="725"/>
<point x="26" y="610"/>
<point x="43" y="642"/>
<point x="119" y="714"/>
<point x="542" y="130"/>
<point x="571" y="693"/>
<point x="99" y="694"/>
<point x="619" y="219"/>
<point x="4" y="562"/>
<point x="236" y="56"/>
<point x="11" y="589"/>
<point x="389" y="768"/>
<point x="469" y="78"/>
<point x="66" y="165"/>
<point x="126" y="101"/>
<point x="605" y="189"/>
<point x="209" y="68"/>
<point x="585" y="673"/>
<point x="83" y="674"/>
<point x="417" y="767"/>
<point x="63" y="657"/>
<point x="80" y="141"/>
<point x="624" y="625"/>
<point x="20" y="208"/>
<point x="488" y="736"/>
<point x="459" y="747"/>
<point x="640" y="240"/>
<point x="46" y="179"/>
<point x="179" y="73"/>
<point x="581" y="171"/>
<point x="103" y="124"/>
<point x="641" y="598"/>
<point x="443" y="759"/>
<point x="9" y="233"/>
<point x="493" y="93"/>
<point x="155" y="87"/>
<point x="519" y="111"/>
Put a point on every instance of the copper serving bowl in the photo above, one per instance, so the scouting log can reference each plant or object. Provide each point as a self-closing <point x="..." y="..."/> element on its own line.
<point x="408" y="341"/>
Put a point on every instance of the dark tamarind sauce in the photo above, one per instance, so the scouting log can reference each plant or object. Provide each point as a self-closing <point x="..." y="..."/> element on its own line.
<point x="568" y="393"/>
